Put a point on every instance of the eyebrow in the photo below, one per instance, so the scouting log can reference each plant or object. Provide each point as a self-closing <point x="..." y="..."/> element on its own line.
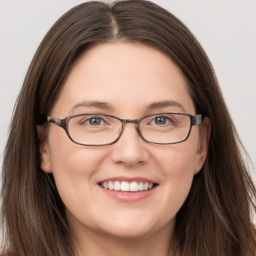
<point x="107" y="106"/>
<point x="95" y="104"/>
<point x="164" y="104"/>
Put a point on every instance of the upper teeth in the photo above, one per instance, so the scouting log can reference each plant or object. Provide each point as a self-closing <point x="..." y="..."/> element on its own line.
<point x="127" y="186"/>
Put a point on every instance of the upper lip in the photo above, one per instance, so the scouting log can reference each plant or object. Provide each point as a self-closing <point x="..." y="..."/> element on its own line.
<point x="127" y="179"/>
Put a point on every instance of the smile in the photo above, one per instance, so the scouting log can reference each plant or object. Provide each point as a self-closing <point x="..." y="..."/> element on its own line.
<point x="125" y="186"/>
<point x="128" y="189"/>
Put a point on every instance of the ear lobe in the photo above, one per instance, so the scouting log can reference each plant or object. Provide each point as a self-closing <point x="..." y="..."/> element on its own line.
<point x="205" y="133"/>
<point x="43" y="149"/>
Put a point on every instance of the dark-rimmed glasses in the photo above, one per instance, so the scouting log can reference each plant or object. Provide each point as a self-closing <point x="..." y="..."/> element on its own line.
<point x="101" y="129"/>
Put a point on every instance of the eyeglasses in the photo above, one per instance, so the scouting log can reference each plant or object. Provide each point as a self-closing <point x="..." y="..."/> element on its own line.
<point x="102" y="129"/>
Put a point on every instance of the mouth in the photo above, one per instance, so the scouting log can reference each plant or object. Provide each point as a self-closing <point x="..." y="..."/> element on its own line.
<point x="126" y="186"/>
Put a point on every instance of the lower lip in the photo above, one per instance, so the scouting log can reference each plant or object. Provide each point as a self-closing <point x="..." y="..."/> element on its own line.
<point x="128" y="196"/>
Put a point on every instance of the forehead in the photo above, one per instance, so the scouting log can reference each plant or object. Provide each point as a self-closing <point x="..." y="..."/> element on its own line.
<point x="127" y="77"/>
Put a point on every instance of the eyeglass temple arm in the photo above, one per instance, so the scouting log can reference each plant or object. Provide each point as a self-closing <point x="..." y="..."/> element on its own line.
<point x="57" y="121"/>
<point x="197" y="119"/>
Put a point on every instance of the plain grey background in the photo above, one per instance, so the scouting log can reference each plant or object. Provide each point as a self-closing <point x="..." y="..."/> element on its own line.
<point x="225" y="28"/>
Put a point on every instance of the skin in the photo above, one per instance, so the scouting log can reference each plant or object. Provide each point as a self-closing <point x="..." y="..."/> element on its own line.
<point x="128" y="77"/>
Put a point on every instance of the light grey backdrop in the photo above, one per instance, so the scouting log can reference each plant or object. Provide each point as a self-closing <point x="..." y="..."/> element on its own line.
<point x="225" y="28"/>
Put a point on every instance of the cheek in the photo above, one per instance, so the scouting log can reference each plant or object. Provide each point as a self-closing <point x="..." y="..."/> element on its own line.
<point x="177" y="168"/>
<point x="70" y="158"/>
<point x="74" y="173"/>
<point x="178" y="160"/>
<point x="73" y="166"/>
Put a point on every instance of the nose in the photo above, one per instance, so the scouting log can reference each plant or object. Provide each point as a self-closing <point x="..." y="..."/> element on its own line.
<point x="130" y="149"/>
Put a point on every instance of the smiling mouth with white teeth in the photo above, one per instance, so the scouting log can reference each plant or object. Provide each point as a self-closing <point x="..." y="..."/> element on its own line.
<point x="127" y="186"/>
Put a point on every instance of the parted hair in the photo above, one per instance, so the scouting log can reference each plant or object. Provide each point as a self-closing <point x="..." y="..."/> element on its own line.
<point x="216" y="218"/>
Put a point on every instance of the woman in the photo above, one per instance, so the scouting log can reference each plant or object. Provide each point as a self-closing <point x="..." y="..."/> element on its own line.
<point x="121" y="144"/>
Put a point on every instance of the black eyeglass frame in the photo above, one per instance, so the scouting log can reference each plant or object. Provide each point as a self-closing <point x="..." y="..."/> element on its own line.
<point x="63" y="123"/>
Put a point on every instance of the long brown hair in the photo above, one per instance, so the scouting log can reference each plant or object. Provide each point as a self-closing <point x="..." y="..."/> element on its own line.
<point x="216" y="218"/>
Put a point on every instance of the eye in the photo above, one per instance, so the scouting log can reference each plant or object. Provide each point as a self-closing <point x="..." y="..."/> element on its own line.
<point x="93" y="121"/>
<point x="161" y="120"/>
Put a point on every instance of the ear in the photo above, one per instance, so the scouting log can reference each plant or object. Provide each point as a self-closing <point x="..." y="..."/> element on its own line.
<point x="202" y="149"/>
<point x="43" y="149"/>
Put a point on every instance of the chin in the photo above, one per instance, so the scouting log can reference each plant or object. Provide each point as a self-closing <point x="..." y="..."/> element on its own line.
<point x="135" y="228"/>
<point x="129" y="232"/>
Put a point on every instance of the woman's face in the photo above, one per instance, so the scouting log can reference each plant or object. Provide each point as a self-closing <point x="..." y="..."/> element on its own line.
<point x="128" y="81"/>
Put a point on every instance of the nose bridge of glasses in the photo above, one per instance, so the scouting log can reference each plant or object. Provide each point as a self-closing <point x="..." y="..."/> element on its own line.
<point x="130" y="121"/>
